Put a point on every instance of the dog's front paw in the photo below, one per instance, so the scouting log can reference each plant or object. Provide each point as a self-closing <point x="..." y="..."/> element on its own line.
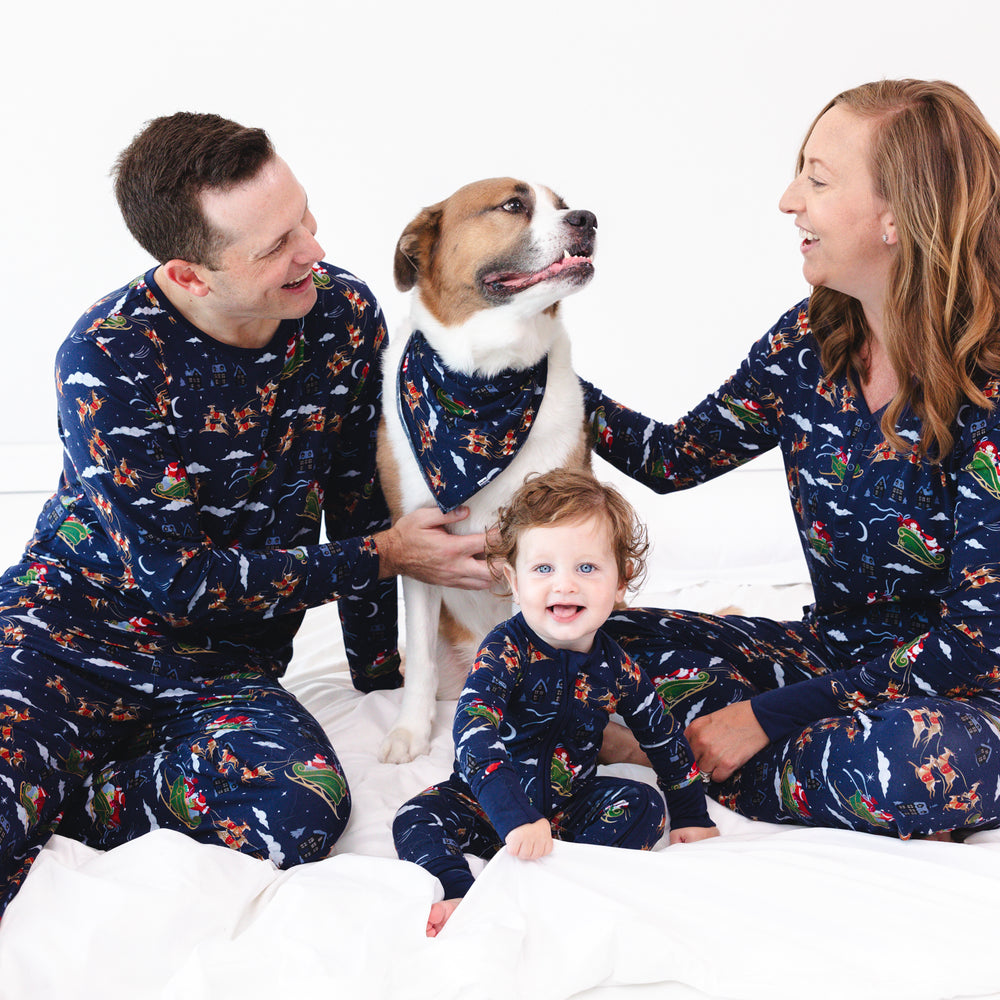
<point x="403" y="745"/>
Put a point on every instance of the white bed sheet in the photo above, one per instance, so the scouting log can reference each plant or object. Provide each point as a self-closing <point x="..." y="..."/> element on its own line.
<point x="762" y="912"/>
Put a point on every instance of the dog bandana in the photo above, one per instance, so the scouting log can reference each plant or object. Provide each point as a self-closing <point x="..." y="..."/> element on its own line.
<point x="463" y="430"/>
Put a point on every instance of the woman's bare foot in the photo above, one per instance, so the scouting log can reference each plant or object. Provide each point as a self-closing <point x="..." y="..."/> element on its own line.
<point x="619" y="746"/>
<point x="438" y="917"/>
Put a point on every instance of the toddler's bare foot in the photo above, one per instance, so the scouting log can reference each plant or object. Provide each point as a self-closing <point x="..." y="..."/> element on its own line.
<point x="944" y="835"/>
<point x="438" y="917"/>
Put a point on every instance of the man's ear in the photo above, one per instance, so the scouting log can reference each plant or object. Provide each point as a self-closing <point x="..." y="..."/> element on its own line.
<point x="511" y="577"/>
<point x="189" y="277"/>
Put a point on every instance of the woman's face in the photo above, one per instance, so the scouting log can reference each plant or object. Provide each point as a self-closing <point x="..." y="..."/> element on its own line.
<point x="840" y="218"/>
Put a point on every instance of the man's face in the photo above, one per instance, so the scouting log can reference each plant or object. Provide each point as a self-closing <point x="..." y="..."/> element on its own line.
<point x="265" y="271"/>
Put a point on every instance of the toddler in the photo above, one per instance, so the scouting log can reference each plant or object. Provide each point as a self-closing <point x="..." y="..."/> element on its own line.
<point x="529" y="721"/>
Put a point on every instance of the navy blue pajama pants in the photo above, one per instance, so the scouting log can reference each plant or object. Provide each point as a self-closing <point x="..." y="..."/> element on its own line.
<point x="103" y="752"/>
<point x="436" y="828"/>
<point x="907" y="767"/>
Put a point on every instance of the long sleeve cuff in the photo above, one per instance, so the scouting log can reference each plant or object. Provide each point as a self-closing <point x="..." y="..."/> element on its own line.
<point x="687" y="806"/>
<point x="788" y="710"/>
<point x="501" y="796"/>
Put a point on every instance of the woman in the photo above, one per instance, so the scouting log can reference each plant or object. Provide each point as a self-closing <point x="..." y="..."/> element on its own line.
<point x="880" y="711"/>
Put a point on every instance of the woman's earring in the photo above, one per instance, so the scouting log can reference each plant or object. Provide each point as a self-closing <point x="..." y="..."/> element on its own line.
<point x="885" y="237"/>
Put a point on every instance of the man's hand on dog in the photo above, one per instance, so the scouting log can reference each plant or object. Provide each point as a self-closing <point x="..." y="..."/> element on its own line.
<point x="419" y="545"/>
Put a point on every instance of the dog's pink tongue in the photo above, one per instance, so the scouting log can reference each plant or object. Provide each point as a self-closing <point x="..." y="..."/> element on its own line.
<point x="524" y="280"/>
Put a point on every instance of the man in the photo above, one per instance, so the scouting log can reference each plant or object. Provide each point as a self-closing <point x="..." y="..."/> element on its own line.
<point x="211" y="412"/>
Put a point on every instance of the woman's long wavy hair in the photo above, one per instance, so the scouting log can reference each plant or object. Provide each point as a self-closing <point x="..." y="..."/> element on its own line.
<point x="935" y="162"/>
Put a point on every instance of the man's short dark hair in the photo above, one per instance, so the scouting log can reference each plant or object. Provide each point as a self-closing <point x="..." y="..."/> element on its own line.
<point x="160" y="175"/>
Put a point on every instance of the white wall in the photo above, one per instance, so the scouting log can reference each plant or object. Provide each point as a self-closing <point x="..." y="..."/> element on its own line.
<point x="676" y="122"/>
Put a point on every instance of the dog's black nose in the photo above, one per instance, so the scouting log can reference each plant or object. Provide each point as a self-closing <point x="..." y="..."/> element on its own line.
<point x="582" y="218"/>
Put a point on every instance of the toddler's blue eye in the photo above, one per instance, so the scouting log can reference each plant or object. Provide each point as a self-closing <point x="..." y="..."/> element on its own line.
<point x="544" y="568"/>
<point x="587" y="568"/>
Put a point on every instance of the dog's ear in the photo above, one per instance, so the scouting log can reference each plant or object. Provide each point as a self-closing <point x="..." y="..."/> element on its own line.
<point x="415" y="247"/>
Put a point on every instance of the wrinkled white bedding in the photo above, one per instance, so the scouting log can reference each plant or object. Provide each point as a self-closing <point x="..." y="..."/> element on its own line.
<point x="761" y="912"/>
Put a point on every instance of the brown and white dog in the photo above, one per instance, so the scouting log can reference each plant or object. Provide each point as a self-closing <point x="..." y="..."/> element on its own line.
<point x="489" y="265"/>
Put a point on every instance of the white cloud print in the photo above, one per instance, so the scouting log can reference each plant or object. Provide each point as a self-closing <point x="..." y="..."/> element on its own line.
<point x="82" y="378"/>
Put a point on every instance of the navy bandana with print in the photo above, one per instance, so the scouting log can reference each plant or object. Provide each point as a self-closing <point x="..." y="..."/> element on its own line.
<point x="464" y="430"/>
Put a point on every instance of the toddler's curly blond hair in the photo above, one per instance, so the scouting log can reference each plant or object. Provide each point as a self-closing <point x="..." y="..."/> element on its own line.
<point x="566" y="495"/>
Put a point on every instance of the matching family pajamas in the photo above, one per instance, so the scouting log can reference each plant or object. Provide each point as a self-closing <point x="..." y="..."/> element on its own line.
<point x="153" y="612"/>
<point x="527" y="731"/>
<point x="150" y="619"/>
<point x="883" y="705"/>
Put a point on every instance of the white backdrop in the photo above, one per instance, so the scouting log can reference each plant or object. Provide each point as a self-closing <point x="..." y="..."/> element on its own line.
<point x="676" y="122"/>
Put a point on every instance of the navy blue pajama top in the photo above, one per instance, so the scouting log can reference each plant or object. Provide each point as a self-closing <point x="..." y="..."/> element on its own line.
<point x="903" y="554"/>
<point x="196" y="475"/>
<point x="529" y="722"/>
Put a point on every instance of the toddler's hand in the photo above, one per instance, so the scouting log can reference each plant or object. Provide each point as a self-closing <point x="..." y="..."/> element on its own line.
<point x="530" y="840"/>
<point x="689" y="834"/>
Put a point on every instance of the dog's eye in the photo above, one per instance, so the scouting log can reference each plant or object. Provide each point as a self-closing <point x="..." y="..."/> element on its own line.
<point x="513" y="205"/>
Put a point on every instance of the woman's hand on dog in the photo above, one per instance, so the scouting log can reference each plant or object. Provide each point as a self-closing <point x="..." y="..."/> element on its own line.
<point x="419" y="545"/>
